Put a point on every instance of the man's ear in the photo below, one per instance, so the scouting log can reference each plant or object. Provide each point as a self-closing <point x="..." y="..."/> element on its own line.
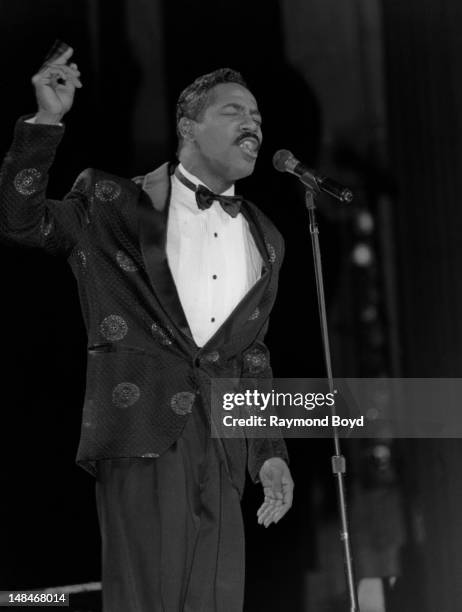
<point x="186" y="128"/>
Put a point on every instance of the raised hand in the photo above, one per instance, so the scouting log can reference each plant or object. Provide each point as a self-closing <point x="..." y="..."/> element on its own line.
<point x="55" y="85"/>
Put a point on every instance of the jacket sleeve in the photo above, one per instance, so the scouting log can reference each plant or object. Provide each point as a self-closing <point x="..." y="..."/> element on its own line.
<point x="27" y="217"/>
<point x="257" y="366"/>
<point x="261" y="449"/>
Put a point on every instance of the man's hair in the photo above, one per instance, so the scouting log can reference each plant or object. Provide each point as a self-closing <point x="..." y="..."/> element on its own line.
<point x="194" y="98"/>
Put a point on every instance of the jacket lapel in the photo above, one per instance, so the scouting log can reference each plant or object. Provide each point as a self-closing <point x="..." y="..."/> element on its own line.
<point x="152" y="219"/>
<point x="258" y="235"/>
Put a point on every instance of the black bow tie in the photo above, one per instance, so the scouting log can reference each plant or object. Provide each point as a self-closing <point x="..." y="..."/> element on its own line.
<point x="205" y="198"/>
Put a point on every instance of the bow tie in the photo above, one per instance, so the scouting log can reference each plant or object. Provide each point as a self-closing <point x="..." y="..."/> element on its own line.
<point x="205" y="198"/>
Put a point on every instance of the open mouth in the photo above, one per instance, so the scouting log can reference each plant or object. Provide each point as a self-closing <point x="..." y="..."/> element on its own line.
<point x="250" y="146"/>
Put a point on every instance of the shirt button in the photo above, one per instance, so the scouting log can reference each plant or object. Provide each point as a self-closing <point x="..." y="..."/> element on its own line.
<point x="215" y="234"/>
<point x="213" y="319"/>
<point x="214" y="276"/>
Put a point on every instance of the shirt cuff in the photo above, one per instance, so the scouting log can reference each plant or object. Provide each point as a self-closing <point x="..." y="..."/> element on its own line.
<point x="32" y="120"/>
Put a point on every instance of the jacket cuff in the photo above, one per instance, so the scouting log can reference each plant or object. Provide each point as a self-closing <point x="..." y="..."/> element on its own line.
<point x="33" y="135"/>
<point x="262" y="449"/>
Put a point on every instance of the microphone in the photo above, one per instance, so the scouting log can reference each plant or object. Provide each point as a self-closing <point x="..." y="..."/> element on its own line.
<point x="284" y="161"/>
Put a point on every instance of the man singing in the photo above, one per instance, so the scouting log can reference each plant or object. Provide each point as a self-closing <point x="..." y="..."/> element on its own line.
<point x="177" y="277"/>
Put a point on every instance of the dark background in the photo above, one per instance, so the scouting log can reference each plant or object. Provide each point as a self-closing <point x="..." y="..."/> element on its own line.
<point x="367" y="91"/>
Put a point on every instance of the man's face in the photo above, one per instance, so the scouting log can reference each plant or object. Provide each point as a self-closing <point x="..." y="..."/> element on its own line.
<point x="228" y="135"/>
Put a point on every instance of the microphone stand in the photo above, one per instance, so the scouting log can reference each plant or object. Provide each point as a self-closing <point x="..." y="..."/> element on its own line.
<point x="338" y="460"/>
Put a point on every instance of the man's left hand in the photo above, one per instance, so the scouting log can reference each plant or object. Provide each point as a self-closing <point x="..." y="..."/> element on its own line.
<point x="278" y="487"/>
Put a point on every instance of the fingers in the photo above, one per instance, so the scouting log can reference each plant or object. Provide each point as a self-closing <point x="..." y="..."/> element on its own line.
<point x="53" y="73"/>
<point x="59" y="54"/>
<point x="268" y="510"/>
<point x="281" y="511"/>
<point x="270" y="506"/>
<point x="55" y="61"/>
<point x="272" y="512"/>
<point x="64" y="57"/>
<point x="278" y="500"/>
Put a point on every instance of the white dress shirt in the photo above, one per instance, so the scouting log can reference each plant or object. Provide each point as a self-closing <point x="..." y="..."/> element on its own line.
<point x="212" y="256"/>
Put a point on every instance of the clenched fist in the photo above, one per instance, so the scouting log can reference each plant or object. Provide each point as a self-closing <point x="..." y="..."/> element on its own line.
<point x="55" y="85"/>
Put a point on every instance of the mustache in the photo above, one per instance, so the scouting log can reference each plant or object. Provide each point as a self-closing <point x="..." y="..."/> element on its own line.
<point x="248" y="134"/>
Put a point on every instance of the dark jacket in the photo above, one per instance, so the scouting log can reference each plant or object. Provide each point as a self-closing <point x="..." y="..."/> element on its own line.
<point x="145" y="373"/>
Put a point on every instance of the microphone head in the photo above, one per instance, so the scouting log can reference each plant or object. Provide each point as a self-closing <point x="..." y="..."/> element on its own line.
<point x="280" y="159"/>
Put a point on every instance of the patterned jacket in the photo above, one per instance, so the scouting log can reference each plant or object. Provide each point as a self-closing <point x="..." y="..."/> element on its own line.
<point x="145" y="374"/>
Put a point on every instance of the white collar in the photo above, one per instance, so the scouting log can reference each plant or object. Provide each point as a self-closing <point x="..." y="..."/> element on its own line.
<point x="197" y="181"/>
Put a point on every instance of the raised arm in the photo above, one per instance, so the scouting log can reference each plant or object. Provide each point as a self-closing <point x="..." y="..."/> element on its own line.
<point x="27" y="217"/>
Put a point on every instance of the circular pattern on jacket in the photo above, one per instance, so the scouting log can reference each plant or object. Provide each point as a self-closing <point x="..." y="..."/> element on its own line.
<point x="113" y="328"/>
<point x="271" y="252"/>
<point x="160" y="333"/>
<point x="125" y="394"/>
<point x="26" y="181"/>
<point x="256" y="361"/>
<point x="126" y="262"/>
<point x="182" y="402"/>
<point x="255" y="314"/>
<point x="107" y="191"/>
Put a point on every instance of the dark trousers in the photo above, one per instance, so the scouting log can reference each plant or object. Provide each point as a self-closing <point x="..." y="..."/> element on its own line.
<point x="172" y="531"/>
